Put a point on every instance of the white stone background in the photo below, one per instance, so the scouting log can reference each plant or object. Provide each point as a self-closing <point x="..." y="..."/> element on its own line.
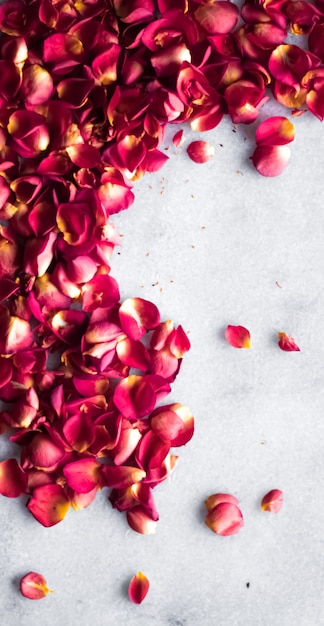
<point x="221" y="245"/>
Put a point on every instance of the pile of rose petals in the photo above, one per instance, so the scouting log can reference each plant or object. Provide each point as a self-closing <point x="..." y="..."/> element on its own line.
<point x="86" y="92"/>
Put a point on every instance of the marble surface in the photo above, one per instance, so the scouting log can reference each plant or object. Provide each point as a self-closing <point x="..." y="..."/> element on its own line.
<point x="211" y="245"/>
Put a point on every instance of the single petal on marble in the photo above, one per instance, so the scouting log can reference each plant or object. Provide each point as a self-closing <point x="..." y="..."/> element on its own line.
<point x="138" y="588"/>
<point x="200" y="151"/>
<point x="225" y="519"/>
<point x="238" y="336"/>
<point x="287" y="343"/>
<point x="272" y="501"/>
<point x="178" y="139"/>
<point x="271" y="160"/>
<point x="34" y="586"/>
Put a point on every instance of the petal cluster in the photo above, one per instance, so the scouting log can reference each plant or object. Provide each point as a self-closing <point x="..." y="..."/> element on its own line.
<point x="272" y="154"/>
<point x="87" y="90"/>
<point x="224" y="516"/>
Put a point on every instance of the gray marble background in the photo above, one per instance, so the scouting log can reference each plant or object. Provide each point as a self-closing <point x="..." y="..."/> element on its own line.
<point x="211" y="245"/>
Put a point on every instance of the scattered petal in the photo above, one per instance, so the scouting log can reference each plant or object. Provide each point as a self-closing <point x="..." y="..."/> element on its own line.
<point x="287" y="343"/>
<point x="225" y="519"/>
<point x="238" y="336"/>
<point x="272" y="501"/>
<point x="138" y="588"/>
<point x="34" y="586"/>
<point x="200" y="151"/>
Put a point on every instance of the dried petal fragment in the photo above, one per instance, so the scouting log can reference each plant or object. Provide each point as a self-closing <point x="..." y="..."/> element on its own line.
<point x="272" y="501"/>
<point x="200" y="151"/>
<point x="287" y="343"/>
<point x="238" y="336"/>
<point x="138" y="588"/>
<point x="225" y="519"/>
<point x="34" y="586"/>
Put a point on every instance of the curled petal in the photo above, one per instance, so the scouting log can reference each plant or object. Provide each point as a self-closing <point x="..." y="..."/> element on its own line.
<point x="287" y="343"/>
<point x="137" y="316"/>
<point x="49" y="504"/>
<point x="225" y="519"/>
<point x="200" y="151"/>
<point x="238" y="336"/>
<point x="138" y="588"/>
<point x="275" y="131"/>
<point x="272" y="501"/>
<point x="142" y="520"/>
<point x="13" y="479"/>
<point x="34" y="586"/>
<point x="271" y="160"/>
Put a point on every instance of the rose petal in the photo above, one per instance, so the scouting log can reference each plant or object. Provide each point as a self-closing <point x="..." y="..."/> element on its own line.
<point x="238" y="336"/>
<point x="225" y="519"/>
<point x="272" y="501"/>
<point x="287" y="343"/>
<point x="34" y="586"/>
<point x="13" y="479"/>
<point x="271" y="160"/>
<point x="49" y="504"/>
<point x="200" y="151"/>
<point x="138" y="588"/>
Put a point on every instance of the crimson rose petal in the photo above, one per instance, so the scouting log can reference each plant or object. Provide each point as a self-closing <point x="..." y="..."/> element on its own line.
<point x="138" y="588"/>
<point x="238" y="336"/>
<point x="287" y="343"/>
